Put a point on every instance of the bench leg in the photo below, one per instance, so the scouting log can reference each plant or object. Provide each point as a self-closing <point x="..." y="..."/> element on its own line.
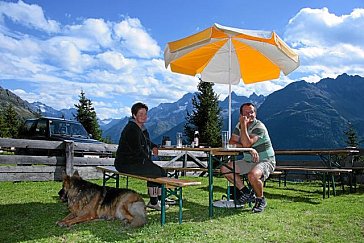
<point x="285" y="178"/>
<point x="107" y="177"/>
<point x="333" y="184"/>
<point x="179" y="192"/>
<point x="324" y="185"/>
<point x="163" y="205"/>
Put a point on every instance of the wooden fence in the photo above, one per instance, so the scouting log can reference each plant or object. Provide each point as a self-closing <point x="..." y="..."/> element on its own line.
<point x="37" y="160"/>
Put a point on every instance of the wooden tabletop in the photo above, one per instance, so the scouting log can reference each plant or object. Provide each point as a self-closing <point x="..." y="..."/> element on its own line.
<point x="213" y="151"/>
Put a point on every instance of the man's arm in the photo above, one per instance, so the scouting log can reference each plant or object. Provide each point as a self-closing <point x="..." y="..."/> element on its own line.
<point x="246" y="140"/>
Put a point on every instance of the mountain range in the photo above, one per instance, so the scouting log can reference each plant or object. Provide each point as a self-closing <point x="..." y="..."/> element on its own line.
<point x="315" y="115"/>
<point x="302" y="115"/>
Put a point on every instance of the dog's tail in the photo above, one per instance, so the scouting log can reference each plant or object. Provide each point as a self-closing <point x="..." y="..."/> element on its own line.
<point x="137" y="209"/>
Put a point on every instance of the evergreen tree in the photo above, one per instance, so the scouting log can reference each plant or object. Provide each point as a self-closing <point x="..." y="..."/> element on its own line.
<point x="86" y="115"/>
<point x="2" y="124"/>
<point x="351" y="136"/>
<point x="10" y="122"/>
<point x="205" y="116"/>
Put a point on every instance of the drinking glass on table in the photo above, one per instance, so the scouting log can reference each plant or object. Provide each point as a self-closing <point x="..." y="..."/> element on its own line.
<point x="224" y="139"/>
<point x="179" y="139"/>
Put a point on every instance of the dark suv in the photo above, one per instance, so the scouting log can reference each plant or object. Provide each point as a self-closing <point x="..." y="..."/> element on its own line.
<point x="56" y="129"/>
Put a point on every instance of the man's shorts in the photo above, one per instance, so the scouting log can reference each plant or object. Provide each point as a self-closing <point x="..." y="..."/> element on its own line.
<point x="267" y="166"/>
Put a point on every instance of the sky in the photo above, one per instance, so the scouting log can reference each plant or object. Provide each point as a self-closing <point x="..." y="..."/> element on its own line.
<point x="113" y="49"/>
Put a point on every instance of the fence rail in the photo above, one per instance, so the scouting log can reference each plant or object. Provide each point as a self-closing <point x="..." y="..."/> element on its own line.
<point x="37" y="160"/>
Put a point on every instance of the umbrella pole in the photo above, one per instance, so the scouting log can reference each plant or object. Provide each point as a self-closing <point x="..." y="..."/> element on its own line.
<point x="229" y="88"/>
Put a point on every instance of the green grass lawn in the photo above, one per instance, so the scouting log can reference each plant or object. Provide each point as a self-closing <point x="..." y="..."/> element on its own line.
<point x="296" y="213"/>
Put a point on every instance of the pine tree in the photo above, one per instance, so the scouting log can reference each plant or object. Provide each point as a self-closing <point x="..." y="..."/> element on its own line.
<point x="205" y="116"/>
<point x="10" y="122"/>
<point x="86" y="115"/>
<point x="351" y="136"/>
<point x="2" y="125"/>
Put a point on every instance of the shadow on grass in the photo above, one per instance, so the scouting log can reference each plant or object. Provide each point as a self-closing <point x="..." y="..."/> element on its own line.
<point x="303" y="195"/>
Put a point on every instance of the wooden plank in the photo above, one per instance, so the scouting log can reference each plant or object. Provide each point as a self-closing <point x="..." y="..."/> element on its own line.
<point x="29" y="160"/>
<point x="31" y="144"/>
<point x="193" y="169"/>
<point x="103" y="147"/>
<point x="161" y="180"/>
<point x="322" y="169"/>
<point x="85" y="161"/>
<point x="26" y="169"/>
<point x="36" y="176"/>
<point x="178" y="164"/>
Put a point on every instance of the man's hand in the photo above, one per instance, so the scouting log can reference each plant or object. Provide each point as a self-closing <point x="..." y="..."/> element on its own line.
<point x="244" y="120"/>
<point x="155" y="151"/>
<point x="255" y="156"/>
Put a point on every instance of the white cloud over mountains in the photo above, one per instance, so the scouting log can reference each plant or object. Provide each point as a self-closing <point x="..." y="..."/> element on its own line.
<point x="328" y="45"/>
<point x="118" y="63"/>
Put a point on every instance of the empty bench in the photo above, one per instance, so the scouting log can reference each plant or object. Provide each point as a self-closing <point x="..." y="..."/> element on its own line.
<point x="170" y="186"/>
<point x="325" y="172"/>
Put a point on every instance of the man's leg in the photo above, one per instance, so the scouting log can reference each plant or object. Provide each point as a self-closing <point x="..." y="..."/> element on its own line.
<point x="254" y="177"/>
<point x="243" y="194"/>
<point x="229" y="175"/>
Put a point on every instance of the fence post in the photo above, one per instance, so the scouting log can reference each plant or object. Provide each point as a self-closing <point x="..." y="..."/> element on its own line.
<point x="69" y="147"/>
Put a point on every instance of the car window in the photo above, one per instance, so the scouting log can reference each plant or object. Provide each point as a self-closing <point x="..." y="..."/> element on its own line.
<point x="76" y="129"/>
<point x="66" y="128"/>
<point x="28" y="125"/>
<point x="41" y="128"/>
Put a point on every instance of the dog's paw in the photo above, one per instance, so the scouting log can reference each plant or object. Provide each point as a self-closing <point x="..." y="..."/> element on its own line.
<point x="62" y="224"/>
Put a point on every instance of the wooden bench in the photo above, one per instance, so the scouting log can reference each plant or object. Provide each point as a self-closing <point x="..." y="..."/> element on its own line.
<point x="325" y="172"/>
<point x="277" y="174"/>
<point x="177" y="171"/>
<point x="170" y="186"/>
<point x="356" y="171"/>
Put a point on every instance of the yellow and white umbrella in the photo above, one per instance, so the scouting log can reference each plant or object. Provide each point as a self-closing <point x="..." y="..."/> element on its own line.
<point x="226" y="55"/>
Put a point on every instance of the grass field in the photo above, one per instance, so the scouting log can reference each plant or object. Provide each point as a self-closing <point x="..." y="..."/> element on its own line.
<point x="296" y="213"/>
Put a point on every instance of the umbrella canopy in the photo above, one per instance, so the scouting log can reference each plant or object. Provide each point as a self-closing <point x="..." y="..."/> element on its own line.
<point x="226" y="55"/>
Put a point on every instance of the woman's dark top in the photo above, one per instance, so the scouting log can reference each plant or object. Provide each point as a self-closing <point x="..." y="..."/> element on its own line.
<point x="134" y="152"/>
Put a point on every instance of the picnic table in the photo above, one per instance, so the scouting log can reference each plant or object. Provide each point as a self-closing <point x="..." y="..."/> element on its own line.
<point x="329" y="160"/>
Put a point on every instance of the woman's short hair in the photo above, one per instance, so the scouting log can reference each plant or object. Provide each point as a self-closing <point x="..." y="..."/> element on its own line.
<point x="137" y="106"/>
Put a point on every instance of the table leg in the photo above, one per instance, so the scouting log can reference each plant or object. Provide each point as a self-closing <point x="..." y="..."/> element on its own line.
<point x="324" y="185"/>
<point x="234" y="176"/>
<point x="211" y="213"/>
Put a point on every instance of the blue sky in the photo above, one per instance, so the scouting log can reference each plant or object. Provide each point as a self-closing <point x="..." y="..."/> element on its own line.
<point x="113" y="49"/>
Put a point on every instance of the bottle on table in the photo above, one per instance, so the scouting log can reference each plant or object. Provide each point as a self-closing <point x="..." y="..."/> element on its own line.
<point x="196" y="139"/>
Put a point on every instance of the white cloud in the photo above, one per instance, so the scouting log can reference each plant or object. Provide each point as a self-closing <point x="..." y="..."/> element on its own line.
<point x="116" y="60"/>
<point x="328" y="44"/>
<point x="96" y="31"/>
<point x="30" y="15"/>
<point x="135" y="39"/>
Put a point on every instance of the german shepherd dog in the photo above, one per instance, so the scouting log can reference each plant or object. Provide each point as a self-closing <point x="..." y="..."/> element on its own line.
<point x="88" y="201"/>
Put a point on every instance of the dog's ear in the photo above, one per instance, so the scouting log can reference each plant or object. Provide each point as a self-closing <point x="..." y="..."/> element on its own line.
<point x="64" y="175"/>
<point x="76" y="173"/>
